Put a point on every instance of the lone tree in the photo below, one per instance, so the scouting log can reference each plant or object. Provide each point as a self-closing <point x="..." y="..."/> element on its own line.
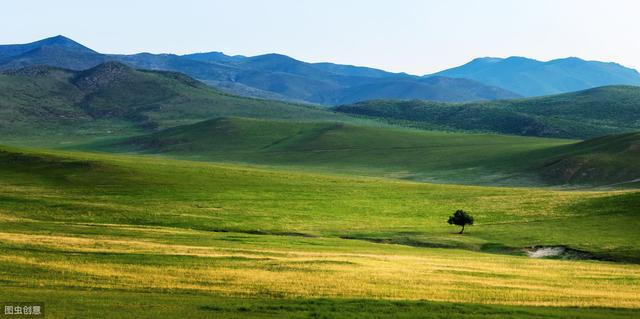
<point x="460" y="218"/>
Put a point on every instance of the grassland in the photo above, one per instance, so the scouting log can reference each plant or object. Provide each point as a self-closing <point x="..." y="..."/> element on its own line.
<point x="305" y="213"/>
<point x="583" y="115"/>
<point x="353" y="149"/>
<point x="609" y="159"/>
<point x="90" y="233"/>
<point x="433" y="156"/>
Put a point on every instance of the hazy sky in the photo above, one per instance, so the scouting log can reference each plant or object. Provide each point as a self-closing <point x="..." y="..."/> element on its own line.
<point x="414" y="36"/>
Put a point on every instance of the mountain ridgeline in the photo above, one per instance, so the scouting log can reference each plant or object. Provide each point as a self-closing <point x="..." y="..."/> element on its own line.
<point x="529" y="77"/>
<point x="272" y="76"/>
<point x="584" y="114"/>
<point x="276" y="76"/>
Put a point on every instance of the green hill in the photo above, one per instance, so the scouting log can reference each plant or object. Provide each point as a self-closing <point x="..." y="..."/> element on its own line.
<point x="339" y="147"/>
<point x="51" y="106"/>
<point x="613" y="159"/>
<point x="113" y="99"/>
<point x="584" y="114"/>
<point x="403" y="153"/>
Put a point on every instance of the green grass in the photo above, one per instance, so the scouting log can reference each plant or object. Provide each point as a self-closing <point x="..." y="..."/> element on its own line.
<point x="62" y="107"/>
<point x="76" y="303"/>
<point x="89" y="233"/>
<point x="47" y="106"/>
<point x="347" y="148"/>
<point x="609" y="159"/>
<point x="585" y="114"/>
<point x="400" y="153"/>
<point x="93" y="187"/>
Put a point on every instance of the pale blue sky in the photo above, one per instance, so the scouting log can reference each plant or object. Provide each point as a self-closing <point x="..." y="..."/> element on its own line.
<point x="414" y="36"/>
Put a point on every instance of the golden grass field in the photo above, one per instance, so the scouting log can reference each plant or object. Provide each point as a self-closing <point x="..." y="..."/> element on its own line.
<point x="294" y="269"/>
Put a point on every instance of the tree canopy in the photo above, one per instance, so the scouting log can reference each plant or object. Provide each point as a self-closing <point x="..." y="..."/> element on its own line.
<point x="460" y="218"/>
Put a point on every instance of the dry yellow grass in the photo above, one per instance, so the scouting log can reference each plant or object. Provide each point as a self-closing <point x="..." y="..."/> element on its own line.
<point x="368" y="271"/>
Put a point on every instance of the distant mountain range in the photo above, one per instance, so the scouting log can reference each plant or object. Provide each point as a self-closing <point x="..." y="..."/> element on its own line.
<point x="271" y="76"/>
<point x="529" y="77"/>
<point x="275" y="76"/>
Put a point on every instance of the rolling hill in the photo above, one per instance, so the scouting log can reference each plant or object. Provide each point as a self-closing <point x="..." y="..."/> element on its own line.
<point x="530" y="77"/>
<point x="43" y="104"/>
<point x="399" y="153"/>
<point x="114" y="99"/>
<point x="584" y="114"/>
<point x="269" y="75"/>
<point x="612" y="159"/>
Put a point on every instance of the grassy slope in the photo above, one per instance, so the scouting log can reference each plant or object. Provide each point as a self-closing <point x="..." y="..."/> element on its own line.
<point x="155" y="230"/>
<point x="609" y="159"/>
<point x="337" y="147"/>
<point x="584" y="114"/>
<point x="43" y="103"/>
<point x="411" y="154"/>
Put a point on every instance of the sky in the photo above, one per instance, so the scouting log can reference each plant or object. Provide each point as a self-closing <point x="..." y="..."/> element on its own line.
<point x="413" y="36"/>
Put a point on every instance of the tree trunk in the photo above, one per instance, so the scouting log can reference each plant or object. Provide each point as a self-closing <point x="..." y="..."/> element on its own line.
<point x="461" y="230"/>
